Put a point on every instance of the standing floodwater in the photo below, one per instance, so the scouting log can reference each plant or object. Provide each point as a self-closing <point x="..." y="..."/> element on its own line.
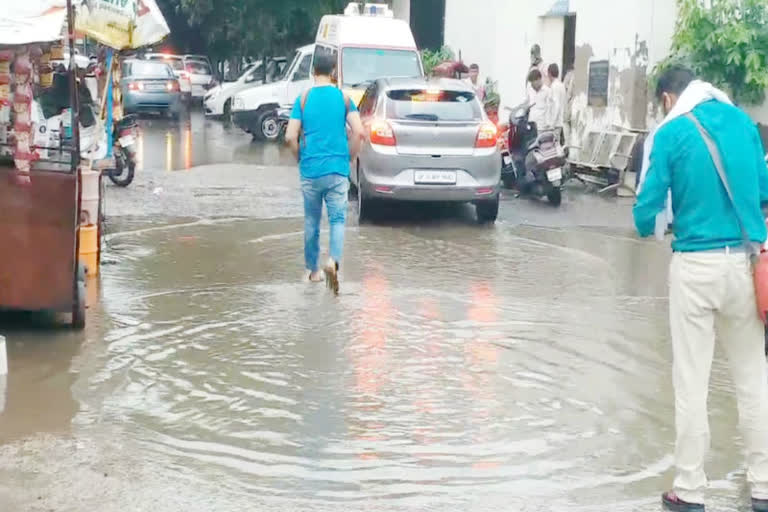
<point x="462" y="368"/>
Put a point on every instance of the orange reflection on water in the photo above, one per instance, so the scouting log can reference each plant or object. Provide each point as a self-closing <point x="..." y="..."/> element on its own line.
<point x="168" y="151"/>
<point x="369" y="358"/>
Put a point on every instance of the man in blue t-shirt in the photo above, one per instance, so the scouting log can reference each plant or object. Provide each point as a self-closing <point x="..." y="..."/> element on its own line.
<point x="317" y="134"/>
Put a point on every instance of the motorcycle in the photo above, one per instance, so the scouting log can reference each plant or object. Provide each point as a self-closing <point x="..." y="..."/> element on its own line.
<point x="533" y="162"/>
<point x="283" y="116"/>
<point x="124" y="135"/>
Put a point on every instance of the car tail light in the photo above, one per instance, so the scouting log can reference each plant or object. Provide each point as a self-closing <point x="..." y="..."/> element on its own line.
<point x="382" y="134"/>
<point x="173" y="85"/>
<point x="487" y="136"/>
<point x="136" y="86"/>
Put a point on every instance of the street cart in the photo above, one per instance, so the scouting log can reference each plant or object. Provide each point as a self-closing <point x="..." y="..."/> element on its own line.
<point x="49" y="139"/>
<point x="40" y="183"/>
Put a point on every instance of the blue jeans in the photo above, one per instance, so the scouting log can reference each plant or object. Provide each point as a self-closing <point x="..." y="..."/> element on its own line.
<point x="332" y="189"/>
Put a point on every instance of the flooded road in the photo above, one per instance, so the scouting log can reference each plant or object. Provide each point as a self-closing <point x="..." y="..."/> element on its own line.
<point x="521" y="367"/>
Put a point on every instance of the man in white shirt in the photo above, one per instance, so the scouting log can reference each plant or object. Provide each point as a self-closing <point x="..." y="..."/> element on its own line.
<point x="540" y="96"/>
<point x="474" y="81"/>
<point x="559" y="100"/>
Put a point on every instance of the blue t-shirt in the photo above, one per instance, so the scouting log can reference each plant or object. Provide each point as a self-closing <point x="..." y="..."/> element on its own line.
<point x="324" y="149"/>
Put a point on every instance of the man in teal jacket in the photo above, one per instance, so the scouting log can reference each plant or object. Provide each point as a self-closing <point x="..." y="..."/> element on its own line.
<point x="710" y="278"/>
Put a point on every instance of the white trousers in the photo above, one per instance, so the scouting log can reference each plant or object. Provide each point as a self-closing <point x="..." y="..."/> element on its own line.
<point x="712" y="294"/>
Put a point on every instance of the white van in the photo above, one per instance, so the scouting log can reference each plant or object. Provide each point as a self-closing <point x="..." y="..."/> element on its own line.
<point x="367" y="43"/>
<point x="255" y="109"/>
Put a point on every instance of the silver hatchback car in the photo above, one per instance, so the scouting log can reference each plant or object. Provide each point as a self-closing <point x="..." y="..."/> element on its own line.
<point x="427" y="140"/>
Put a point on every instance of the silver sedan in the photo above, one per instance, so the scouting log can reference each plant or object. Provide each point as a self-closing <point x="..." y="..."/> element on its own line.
<point x="427" y="140"/>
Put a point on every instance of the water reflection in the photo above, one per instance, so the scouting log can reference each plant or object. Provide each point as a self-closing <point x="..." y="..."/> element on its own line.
<point x="465" y="367"/>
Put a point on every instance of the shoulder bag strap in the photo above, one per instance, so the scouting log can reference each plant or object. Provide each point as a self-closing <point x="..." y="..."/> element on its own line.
<point x="718" y="161"/>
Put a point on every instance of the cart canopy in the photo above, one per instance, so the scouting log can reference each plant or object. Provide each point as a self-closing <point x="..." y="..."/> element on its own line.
<point x="119" y="24"/>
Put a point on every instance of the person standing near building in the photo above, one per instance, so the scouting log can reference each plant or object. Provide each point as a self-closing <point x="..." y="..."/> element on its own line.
<point x="710" y="280"/>
<point x="540" y="96"/>
<point x="568" y="80"/>
<point x="317" y="135"/>
<point x="474" y="81"/>
<point x="538" y="63"/>
<point x="559" y="100"/>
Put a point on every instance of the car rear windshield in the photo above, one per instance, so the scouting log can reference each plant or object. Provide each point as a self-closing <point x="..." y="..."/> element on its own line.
<point x="150" y="69"/>
<point x="176" y="64"/>
<point x="198" y="68"/>
<point x="426" y="105"/>
<point x="361" y="66"/>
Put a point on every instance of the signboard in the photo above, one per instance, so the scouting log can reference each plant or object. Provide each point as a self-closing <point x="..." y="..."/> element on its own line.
<point x="122" y="23"/>
<point x="597" y="89"/>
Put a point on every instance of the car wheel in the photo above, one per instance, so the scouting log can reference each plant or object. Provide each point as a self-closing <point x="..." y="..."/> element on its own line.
<point x="269" y="127"/>
<point x="509" y="182"/>
<point x="488" y="211"/>
<point x="363" y="202"/>
<point x="555" y="196"/>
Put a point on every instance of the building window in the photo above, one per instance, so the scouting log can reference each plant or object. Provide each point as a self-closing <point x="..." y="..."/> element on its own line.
<point x="597" y="89"/>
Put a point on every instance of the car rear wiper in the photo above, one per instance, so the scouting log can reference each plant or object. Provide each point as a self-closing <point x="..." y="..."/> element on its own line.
<point x="360" y="84"/>
<point x="425" y="117"/>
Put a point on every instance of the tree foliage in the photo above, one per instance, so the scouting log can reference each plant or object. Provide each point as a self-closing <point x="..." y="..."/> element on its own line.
<point x="726" y="43"/>
<point x="236" y="28"/>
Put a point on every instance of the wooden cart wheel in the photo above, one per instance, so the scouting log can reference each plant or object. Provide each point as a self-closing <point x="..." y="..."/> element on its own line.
<point x="78" y="307"/>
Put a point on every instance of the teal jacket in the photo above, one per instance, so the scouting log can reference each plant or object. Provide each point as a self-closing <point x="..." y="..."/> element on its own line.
<point x="704" y="218"/>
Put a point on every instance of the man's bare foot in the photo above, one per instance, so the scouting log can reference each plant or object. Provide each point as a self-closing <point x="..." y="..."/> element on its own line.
<point x="316" y="276"/>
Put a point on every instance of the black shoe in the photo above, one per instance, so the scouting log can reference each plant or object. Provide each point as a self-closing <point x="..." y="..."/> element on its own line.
<point x="759" y="505"/>
<point x="675" y="504"/>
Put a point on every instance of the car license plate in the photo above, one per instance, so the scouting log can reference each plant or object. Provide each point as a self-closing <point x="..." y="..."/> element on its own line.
<point x="155" y="87"/>
<point x="435" y="177"/>
<point x="127" y="140"/>
<point x="555" y="174"/>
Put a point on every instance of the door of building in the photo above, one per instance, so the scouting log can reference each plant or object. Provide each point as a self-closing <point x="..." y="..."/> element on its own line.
<point x="428" y="23"/>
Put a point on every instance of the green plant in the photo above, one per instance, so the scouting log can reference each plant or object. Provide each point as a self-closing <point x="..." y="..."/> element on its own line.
<point x="492" y="97"/>
<point x="432" y="58"/>
<point x="725" y="43"/>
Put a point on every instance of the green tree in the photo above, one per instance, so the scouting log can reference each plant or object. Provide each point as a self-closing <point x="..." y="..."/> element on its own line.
<point x="725" y="43"/>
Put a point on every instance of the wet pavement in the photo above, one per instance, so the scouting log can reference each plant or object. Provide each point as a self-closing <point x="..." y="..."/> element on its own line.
<point x="521" y="367"/>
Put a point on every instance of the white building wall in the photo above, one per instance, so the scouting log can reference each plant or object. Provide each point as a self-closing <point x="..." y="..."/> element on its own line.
<point x="632" y="34"/>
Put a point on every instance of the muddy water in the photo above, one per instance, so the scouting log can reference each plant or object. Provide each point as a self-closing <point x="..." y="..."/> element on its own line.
<point x="460" y="369"/>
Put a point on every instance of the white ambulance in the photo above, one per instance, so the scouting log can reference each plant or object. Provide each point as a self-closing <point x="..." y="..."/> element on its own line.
<point x="367" y="43"/>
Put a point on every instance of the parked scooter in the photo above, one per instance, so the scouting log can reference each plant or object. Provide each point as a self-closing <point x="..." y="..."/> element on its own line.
<point x="124" y="149"/>
<point x="283" y="116"/>
<point x="533" y="162"/>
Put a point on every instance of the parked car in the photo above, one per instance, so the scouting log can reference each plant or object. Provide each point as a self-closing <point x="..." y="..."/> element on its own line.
<point x="201" y="58"/>
<point x="177" y="64"/>
<point x="218" y="101"/>
<point x="427" y="140"/>
<point x="150" y="86"/>
<point x="255" y="109"/>
<point x="201" y="76"/>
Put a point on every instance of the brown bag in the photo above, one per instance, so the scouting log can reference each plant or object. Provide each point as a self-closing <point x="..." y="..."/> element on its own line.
<point x="758" y="258"/>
